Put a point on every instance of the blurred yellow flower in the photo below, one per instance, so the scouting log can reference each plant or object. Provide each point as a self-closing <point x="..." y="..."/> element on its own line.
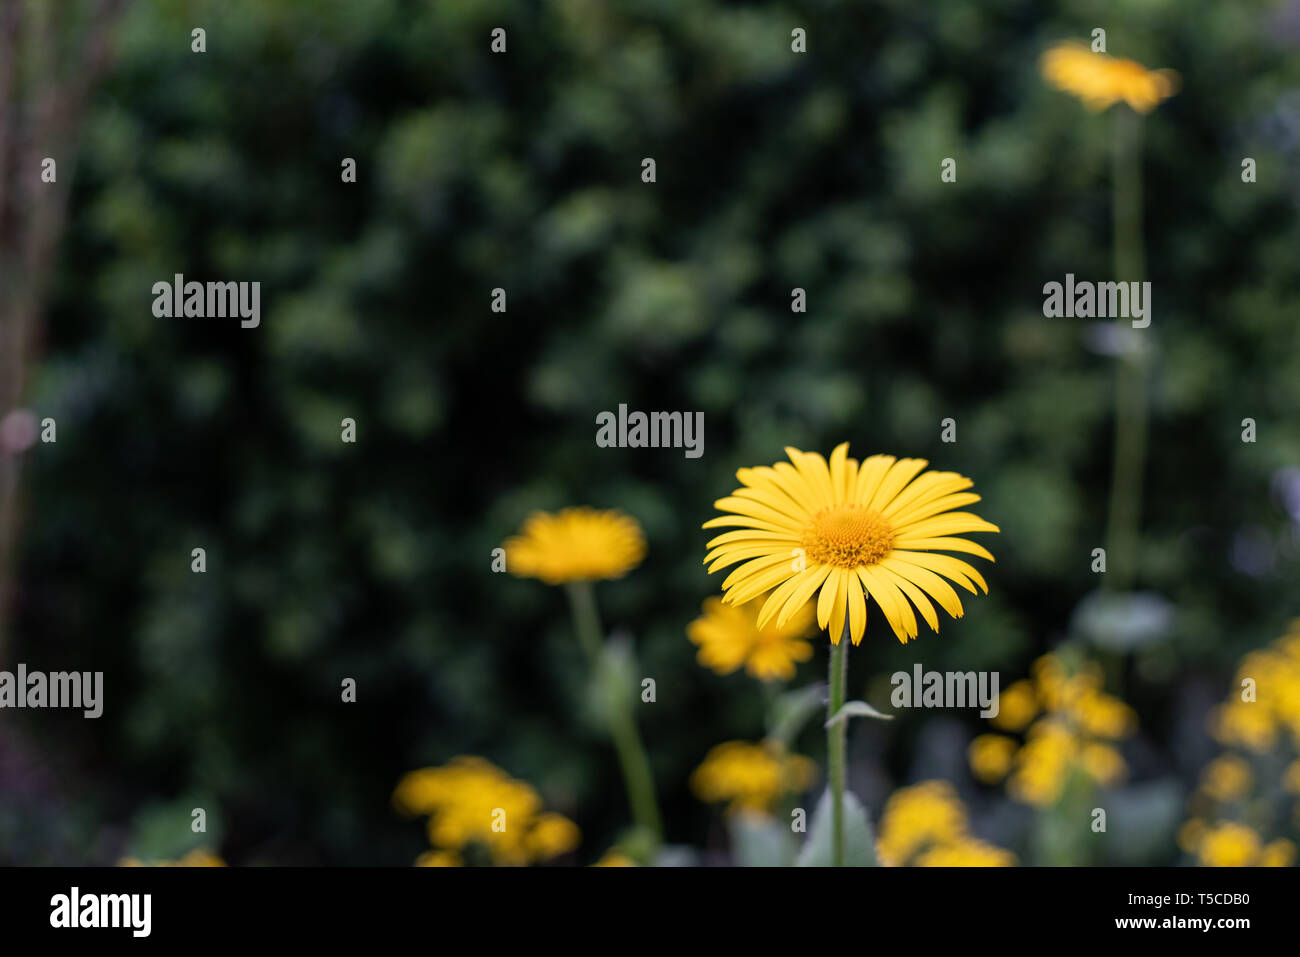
<point x="1076" y="723"/>
<point x="1229" y="845"/>
<point x="199" y="857"/>
<point x="1266" y="697"/>
<point x="1250" y="790"/>
<point x="438" y="859"/>
<point x="1017" y="706"/>
<point x="1101" y="80"/>
<point x="990" y="756"/>
<point x="752" y="777"/>
<point x="925" y="825"/>
<point x="1291" y="778"/>
<point x="966" y="852"/>
<point x="551" y="836"/>
<point x="1279" y="853"/>
<point x="846" y="532"/>
<point x="615" y="858"/>
<point x="1227" y="778"/>
<point x="729" y="637"/>
<point x="1043" y="764"/>
<point x="470" y="801"/>
<point x="575" y="544"/>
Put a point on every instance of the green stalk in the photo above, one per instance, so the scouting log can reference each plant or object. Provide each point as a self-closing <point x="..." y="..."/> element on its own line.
<point x="632" y="759"/>
<point x="836" y="736"/>
<point x="586" y="619"/>
<point x="1130" y="374"/>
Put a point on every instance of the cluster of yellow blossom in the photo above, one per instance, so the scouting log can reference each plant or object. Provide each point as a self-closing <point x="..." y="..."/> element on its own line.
<point x="925" y="825"/>
<point x="471" y="802"/>
<point x="1261" y="720"/>
<point x="1071" y="723"/>
<point x="199" y="857"/>
<point x="1268" y="703"/>
<point x="1232" y="844"/>
<point x="751" y="777"/>
<point x="729" y="638"/>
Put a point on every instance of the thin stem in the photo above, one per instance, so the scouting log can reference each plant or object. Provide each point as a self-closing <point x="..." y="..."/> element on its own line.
<point x="636" y="771"/>
<point x="836" y="736"/>
<point x="586" y="619"/>
<point x="1130" y="374"/>
<point x="632" y="759"/>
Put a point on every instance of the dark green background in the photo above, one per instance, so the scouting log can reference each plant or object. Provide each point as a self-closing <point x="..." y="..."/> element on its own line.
<point x="522" y="171"/>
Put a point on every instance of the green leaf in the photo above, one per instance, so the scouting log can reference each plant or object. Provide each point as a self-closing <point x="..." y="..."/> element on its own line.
<point x="758" y="840"/>
<point x="856" y="709"/>
<point x="791" y="711"/>
<point x="859" y="843"/>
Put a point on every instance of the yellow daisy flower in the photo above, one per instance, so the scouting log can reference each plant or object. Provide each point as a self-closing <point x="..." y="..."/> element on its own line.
<point x="752" y="777"/>
<point x="1101" y="80"/>
<point x="729" y="637"/>
<point x="575" y="544"/>
<point x="851" y="531"/>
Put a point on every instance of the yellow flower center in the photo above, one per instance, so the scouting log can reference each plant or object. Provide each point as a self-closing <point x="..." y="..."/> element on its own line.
<point x="848" y="536"/>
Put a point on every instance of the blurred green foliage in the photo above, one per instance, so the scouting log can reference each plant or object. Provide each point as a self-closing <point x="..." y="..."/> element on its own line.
<point x="522" y="171"/>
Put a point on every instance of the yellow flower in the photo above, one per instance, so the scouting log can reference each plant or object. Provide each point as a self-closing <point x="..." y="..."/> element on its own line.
<point x="966" y="852"/>
<point x="1291" y="778"/>
<point x="1100" y="80"/>
<point x="990" y="756"/>
<point x="438" y="859"/>
<point x="846" y="531"/>
<point x="917" y="816"/>
<point x="1017" y="706"/>
<point x="199" y="857"/>
<point x="471" y="801"/>
<point x="1102" y="716"/>
<point x="575" y="544"/>
<point x="1229" y="845"/>
<point x="1279" y="853"/>
<point x="615" y="858"/>
<point x="1245" y="723"/>
<point x="926" y="825"/>
<point x="1043" y="764"/>
<point x="551" y="836"/>
<point x="752" y="777"/>
<point x="1226" y="778"/>
<point x="1103" y="763"/>
<point x="729" y="637"/>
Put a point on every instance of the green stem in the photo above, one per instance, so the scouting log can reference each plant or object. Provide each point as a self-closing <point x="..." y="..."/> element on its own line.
<point x="636" y="772"/>
<point x="632" y="759"/>
<point x="1130" y="375"/>
<point x="586" y="619"/>
<point x="836" y="735"/>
